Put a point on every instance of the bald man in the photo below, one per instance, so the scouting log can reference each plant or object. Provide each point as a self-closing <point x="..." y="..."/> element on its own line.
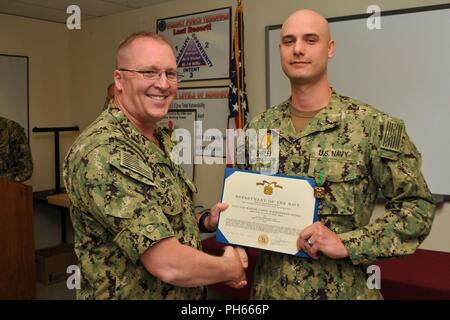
<point x="136" y="235"/>
<point x="357" y="150"/>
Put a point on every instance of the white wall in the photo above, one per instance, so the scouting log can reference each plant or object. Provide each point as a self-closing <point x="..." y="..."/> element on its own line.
<point x="47" y="46"/>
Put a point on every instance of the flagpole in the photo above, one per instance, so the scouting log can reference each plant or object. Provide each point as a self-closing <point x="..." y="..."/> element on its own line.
<point x="241" y="48"/>
<point x="237" y="60"/>
<point x="237" y="101"/>
<point x="238" y="96"/>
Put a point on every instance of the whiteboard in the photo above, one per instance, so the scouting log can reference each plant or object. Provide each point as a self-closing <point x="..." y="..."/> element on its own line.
<point x="402" y="68"/>
<point x="14" y="89"/>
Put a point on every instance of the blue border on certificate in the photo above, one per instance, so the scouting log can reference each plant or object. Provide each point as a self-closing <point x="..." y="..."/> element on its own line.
<point x="230" y="171"/>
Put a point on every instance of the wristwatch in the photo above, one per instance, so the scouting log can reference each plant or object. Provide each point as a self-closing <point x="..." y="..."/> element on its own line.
<point x="201" y="222"/>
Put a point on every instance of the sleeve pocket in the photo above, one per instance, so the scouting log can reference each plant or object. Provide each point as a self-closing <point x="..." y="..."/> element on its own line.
<point x="136" y="171"/>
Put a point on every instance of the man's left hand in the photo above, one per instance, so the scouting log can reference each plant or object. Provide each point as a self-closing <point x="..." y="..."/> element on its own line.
<point x="318" y="238"/>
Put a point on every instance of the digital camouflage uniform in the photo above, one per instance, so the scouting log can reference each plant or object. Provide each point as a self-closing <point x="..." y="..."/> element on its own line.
<point x="360" y="150"/>
<point x="126" y="196"/>
<point x="15" y="156"/>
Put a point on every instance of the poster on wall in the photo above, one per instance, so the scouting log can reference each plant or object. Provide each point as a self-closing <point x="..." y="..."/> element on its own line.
<point x="201" y="42"/>
<point x="182" y="119"/>
<point x="211" y="105"/>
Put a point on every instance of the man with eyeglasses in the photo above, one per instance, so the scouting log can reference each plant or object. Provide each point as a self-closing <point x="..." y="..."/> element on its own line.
<point x="136" y="235"/>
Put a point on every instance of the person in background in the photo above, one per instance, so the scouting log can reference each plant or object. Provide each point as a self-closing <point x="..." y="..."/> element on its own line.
<point x="109" y="95"/>
<point x="16" y="162"/>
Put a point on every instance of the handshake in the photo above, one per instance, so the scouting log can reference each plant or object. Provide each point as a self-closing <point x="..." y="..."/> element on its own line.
<point x="236" y="257"/>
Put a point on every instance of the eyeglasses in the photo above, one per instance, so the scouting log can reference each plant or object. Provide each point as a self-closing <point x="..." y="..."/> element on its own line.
<point x="172" y="76"/>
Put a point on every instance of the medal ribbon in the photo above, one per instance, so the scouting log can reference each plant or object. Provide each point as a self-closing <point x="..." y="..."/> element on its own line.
<point x="320" y="179"/>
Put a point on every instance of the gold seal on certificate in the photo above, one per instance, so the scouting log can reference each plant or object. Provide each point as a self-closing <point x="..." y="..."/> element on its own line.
<point x="266" y="211"/>
<point x="263" y="239"/>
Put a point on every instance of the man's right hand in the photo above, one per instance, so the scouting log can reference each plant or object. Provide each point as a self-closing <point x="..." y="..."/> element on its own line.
<point x="239" y="261"/>
<point x="213" y="220"/>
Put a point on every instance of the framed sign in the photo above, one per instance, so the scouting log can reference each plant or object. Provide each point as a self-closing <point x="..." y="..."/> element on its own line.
<point x="182" y="119"/>
<point x="211" y="105"/>
<point x="201" y="42"/>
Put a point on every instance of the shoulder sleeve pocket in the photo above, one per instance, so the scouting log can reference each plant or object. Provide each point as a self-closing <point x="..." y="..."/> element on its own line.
<point x="133" y="167"/>
<point x="129" y="185"/>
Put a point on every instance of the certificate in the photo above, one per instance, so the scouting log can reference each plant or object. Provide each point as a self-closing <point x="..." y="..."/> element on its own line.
<point x="266" y="211"/>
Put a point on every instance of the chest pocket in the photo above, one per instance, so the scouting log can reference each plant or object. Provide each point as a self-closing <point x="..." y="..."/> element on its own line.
<point x="191" y="186"/>
<point x="342" y="177"/>
<point x="172" y="194"/>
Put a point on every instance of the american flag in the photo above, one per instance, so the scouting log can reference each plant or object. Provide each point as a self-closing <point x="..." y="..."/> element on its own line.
<point x="237" y="97"/>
